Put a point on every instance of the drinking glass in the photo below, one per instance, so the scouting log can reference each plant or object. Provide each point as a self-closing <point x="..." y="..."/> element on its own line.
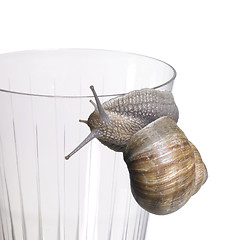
<point x="43" y="94"/>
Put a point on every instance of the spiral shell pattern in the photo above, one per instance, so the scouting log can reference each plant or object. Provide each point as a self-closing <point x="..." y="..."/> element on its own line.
<point x="161" y="165"/>
<point x="200" y="170"/>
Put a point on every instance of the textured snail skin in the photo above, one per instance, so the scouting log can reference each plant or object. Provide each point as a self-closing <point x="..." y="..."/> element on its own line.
<point x="161" y="165"/>
<point x="130" y="113"/>
<point x="115" y="121"/>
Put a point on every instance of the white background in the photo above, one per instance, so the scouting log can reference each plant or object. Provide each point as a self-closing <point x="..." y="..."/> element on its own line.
<point x="197" y="38"/>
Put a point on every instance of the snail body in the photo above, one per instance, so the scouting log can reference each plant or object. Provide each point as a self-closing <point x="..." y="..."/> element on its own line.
<point x="115" y="121"/>
<point x="165" y="168"/>
<point x="129" y="113"/>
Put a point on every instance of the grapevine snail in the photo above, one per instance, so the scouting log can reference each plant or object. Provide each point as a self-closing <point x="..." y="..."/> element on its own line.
<point x="165" y="168"/>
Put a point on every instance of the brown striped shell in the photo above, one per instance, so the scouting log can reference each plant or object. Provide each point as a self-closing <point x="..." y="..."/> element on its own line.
<point x="200" y="170"/>
<point x="162" y="167"/>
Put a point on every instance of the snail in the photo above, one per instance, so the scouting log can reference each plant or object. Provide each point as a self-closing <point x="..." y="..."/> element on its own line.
<point x="165" y="168"/>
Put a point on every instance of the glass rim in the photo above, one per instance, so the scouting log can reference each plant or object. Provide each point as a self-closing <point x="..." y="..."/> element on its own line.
<point x="85" y="49"/>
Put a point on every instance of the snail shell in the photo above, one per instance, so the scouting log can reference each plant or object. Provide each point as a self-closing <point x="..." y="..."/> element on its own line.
<point x="200" y="170"/>
<point x="162" y="167"/>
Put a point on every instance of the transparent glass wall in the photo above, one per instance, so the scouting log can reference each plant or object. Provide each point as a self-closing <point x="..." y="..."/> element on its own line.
<point x="43" y="94"/>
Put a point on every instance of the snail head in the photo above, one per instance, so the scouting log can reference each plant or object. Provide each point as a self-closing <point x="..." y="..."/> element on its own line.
<point x="96" y="121"/>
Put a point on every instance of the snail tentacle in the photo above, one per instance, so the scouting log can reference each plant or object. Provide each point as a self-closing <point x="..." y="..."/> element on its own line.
<point x="103" y="115"/>
<point x="93" y="134"/>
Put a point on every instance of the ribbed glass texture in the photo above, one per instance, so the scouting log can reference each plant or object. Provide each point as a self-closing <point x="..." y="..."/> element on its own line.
<point x="43" y="94"/>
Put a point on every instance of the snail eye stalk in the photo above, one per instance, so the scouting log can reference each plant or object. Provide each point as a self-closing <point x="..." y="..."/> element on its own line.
<point x="103" y="114"/>
<point x="93" y="134"/>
